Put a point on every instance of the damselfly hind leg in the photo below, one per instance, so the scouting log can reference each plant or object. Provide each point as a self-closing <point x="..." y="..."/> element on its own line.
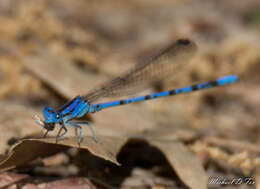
<point x="91" y="128"/>
<point x="76" y="125"/>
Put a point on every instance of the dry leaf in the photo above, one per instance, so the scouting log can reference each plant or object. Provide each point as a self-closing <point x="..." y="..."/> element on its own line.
<point x="26" y="151"/>
<point x="29" y="149"/>
<point x="184" y="162"/>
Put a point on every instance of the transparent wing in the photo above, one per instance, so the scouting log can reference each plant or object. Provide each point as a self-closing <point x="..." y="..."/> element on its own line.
<point x="165" y="63"/>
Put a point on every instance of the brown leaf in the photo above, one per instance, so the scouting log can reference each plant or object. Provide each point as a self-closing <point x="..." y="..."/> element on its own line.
<point x="184" y="162"/>
<point x="26" y="151"/>
<point x="106" y="148"/>
<point x="30" y="149"/>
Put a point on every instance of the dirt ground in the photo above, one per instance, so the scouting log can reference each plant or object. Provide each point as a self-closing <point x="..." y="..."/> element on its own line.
<point x="53" y="50"/>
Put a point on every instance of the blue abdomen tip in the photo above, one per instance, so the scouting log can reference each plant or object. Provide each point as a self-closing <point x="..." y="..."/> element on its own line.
<point x="227" y="79"/>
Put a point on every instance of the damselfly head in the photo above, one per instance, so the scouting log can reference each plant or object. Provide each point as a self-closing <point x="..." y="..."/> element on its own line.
<point x="49" y="126"/>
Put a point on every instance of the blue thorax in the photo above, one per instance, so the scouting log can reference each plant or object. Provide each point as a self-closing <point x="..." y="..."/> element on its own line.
<point x="51" y="116"/>
<point x="75" y="108"/>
